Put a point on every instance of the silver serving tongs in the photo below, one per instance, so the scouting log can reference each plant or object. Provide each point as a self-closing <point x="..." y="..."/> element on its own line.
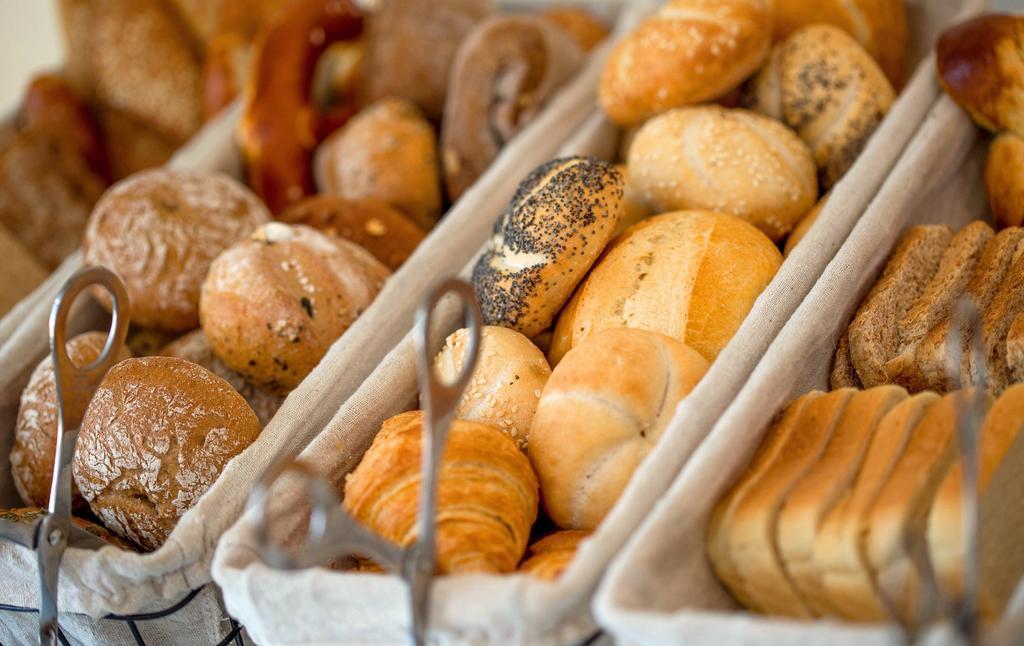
<point x="332" y="531"/>
<point x="49" y="535"/>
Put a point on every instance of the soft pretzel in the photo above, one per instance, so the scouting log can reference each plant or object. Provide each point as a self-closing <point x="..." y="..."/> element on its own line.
<point x="279" y="128"/>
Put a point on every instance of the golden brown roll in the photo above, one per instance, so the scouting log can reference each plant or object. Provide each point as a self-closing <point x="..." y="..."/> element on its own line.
<point x="159" y="230"/>
<point x="507" y="382"/>
<point x="736" y="162"/>
<point x="35" y="431"/>
<point x="981" y="67"/>
<point x="380" y="229"/>
<point x="690" y="275"/>
<point x="551" y="555"/>
<point x="821" y="82"/>
<point x="803" y="226"/>
<point x="558" y="222"/>
<point x="411" y="45"/>
<point x="273" y="303"/>
<point x="1004" y="179"/>
<point x="154" y="438"/>
<point x="880" y="26"/>
<point x="486" y="494"/>
<point x="586" y="29"/>
<point x="604" y="408"/>
<point x="504" y="72"/>
<point x="387" y="152"/>
<point x="195" y="347"/>
<point x="690" y="51"/>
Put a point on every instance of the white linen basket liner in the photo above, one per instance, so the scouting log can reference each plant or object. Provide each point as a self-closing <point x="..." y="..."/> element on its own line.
<point x="324" y="606"/>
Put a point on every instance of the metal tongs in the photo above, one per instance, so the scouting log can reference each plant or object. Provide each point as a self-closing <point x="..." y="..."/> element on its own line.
<point x="332" y="531"/>
<point x="49" y="536"/>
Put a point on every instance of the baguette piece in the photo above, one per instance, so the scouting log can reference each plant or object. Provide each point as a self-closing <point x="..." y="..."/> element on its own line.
<point x="818" y="491"/>
<point x="937" y="301"/>
<point x="752" y="536"/>
<point x="846" y="579"/>
<point x="933" y="351"/>
<point x="873" y="333"/>
<point x="1006" y="305"/>
<point x="779" y="435"/>
<point x="1001" y="492"/>
<point x="844" y="375"/>
<point x="901" y="510"/>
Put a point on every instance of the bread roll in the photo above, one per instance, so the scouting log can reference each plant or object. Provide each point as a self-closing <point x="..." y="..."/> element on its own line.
<point x="821" y="82"/>
<point x="634" y="207"/>
<point x="803" y="226"/>
<point x="585" y="28"/>
<point x="690" y="275"/>
<point x="387" y="152"/>
<point x="603" y="410"/>
<point x="1004" y="179"/>
<point x="551" y="555"/>
<point x="690" y="51"/>
<point x="273" y="304"/>
<point x="735" y="162"/>
<point x="981" y="67"/>
<point x="195" y="347"/>
<point x="145" y="342"/>
<point x="558" y="222"/>
<point x="486" y="494"/>
<point x="35" y="431"/>
<point x="159" y="231"/>
<point x="154" y="438"/>
<point x="880" y="26"/>
<point x="380" y="229"/>
<point x="507" y="382"/>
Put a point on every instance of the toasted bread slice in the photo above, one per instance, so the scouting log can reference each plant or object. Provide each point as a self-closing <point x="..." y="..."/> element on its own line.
<point x="936" y="302"/>
<point x="873" y="333"/>
<point x="779" y="434"/>
<point x="1006" y="305"/>
<point x="1001" y="511"/>
<point x="843" y="373"/>
<point x="847" y="582"/>
<point x="823" y="485"/>
<point x="753" y="529"/>
<point x="1015" y="349"/>
<point x="933" y="351"/>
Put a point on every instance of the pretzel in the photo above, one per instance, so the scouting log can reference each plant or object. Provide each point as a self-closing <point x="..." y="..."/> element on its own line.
<point x="51" y="104"/>
<point x="280" y="127"/>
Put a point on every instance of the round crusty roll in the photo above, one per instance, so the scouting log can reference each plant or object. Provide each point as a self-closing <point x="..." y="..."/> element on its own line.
<point x="690" y="51"/>
<point x="558" y="222"/>
<point x="880" y="26"/>
<point x="195" y="347"/>
<point x="735" y="161"/>
<point x="35" y="431"/>
<point x="159" y="230"/>
<point x="486" y="494"/>
<point x="380" y="229"/>
<point x="691" y="275"/>
<point x="551" y="555"/>
<point x="1004" y="179"/>
<point x="274" y="303"/>
<point x="507" y="381"/>
<point x="604" y="408"/>
<point x="387" y="152"/>
<point x="981" y="67"/>
<point x="156" y="435"/>
<point x="822" y="83"/>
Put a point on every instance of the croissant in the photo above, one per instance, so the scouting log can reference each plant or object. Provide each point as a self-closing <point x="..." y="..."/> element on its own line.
<point x="486" y="500"/>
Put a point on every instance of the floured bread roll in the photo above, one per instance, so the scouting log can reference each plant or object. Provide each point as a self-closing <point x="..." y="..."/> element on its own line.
<point x="551" y="555"/>
<point x="156" y="435"/>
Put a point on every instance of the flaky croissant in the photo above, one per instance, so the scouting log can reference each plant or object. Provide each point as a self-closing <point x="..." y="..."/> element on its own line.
<point x="487" y="494"/>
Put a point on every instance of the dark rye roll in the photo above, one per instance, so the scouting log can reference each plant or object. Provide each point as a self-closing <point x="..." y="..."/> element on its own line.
<point x="558" y="223"/>
<point x="503" y="73"/>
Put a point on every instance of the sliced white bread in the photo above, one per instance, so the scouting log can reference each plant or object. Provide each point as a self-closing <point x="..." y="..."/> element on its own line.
<point x="752" y="534"/>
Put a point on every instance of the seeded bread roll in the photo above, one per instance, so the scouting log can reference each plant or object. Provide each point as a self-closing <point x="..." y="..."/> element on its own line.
<point x="380" y="229"/>
<point x="736" y="162"/>
<point x="690" y="51"/>
<point x="159" y="231"/>
<point x="387" y="152"/>
<point x="558" y="222"/>
<point x="155" y="437"/>
<point x="507" y="381"/>
<point x="1004" y="179"/>
<point x="551" y="555"/>
<point x="35" y="431"/>
<point x="273" y="304"/>
<point x="821" y="82"/>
